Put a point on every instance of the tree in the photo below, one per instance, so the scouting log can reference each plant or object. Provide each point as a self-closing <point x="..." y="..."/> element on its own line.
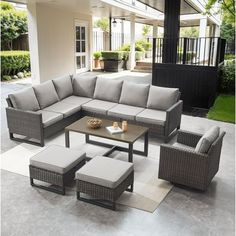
<point x="103" y="24"/>
<point x="189" y="32"/>
<point x="226" y="7"/>
<point x="146" y="30"/>
<point x="13" y="24"/>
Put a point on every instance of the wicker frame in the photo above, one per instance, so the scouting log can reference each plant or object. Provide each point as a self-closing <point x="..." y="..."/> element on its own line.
<point x="104" y="196"/>
<point x="54" y="178"/>
<point x="187" y="167"/>
<point x="29" y="123"/>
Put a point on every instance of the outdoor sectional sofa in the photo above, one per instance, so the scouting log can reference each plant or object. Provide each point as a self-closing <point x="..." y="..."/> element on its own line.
<point x="44" y="109"/>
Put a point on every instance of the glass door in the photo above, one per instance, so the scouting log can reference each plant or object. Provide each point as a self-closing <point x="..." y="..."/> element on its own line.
<point x="81" y="47"/>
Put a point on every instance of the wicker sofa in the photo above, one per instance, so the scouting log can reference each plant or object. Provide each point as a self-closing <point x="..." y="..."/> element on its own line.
<point x="44" y="109"/>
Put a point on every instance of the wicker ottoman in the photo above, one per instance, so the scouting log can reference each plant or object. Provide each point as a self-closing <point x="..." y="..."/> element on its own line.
<point x="55" y="165"/>
<point x="104" y="179"/>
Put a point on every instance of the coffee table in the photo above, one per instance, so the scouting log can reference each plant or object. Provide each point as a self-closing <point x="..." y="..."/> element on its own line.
<point x="133" y="134"/>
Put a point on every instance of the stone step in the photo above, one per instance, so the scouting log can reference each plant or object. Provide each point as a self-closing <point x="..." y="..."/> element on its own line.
<point x="142" y="70"/>
<point x="142" y="63"/>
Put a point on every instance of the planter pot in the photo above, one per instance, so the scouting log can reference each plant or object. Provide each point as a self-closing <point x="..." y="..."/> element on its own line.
<point x="113" y="65"/>
<point x="96" y="63"/>
<point x="102" y="64"/>
<point x="148" y="54"/>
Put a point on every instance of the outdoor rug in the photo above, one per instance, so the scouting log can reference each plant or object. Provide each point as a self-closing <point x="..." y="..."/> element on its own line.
<point x="149" y="191"/>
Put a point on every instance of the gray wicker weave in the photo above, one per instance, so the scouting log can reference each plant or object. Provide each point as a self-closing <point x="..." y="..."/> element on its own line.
<point x="187" y="167"/>
<point x="103" y="196"/>
<point x="54" y="178"/>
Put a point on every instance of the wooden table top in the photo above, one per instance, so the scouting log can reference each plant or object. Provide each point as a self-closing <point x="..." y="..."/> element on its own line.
<point x="133" y="133"/>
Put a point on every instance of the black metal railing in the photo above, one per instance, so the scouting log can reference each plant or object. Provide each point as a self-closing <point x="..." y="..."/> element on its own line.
<point x="205" y="51"/>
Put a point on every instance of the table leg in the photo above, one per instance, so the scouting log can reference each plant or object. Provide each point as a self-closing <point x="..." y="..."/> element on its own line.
<point x="130" y="152"/>
<point x="67" y="138"/>
<point x="146" y="144"/>
<point x="87" y="138"/>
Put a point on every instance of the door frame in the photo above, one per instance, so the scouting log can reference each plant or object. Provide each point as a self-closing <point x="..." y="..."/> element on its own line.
<point x="87" y="57"/>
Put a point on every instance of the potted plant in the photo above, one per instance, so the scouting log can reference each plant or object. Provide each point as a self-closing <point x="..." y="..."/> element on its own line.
<point x="113" y="60"/>
<point x="96" y="57"/>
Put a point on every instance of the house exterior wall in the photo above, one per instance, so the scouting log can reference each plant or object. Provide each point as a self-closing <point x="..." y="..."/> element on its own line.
<point x="52" y="41"/>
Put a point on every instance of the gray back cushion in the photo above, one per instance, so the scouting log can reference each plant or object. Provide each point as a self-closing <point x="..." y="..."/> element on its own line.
<point x="84" y="86"/>
<point x="63" y="86"/>
<point x="108" y="89"/>
<point x="25" y="100"/>
<point x="207" y="139"/>
<point x="161" y="98"/>
<point x="46" y="94"/>
<point x="134" y="94"/>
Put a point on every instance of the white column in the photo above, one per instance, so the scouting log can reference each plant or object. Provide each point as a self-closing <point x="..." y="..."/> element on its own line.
<point x="155" y="30"/>
<point x="33" y="42"/>
<point x="132" y="42"/>
<point x="217" y="31"/>
<point x="202" y="35"/>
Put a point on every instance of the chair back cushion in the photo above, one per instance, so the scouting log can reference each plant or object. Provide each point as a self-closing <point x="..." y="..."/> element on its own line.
<point x="108" y="89"/>
<point x="63" y="86"/>
<point x="84" y="86"/>
<point x="162" y="98"/>
<point x="25" y="100"/>
<point x="134" y="94"/>
<point x="46" y="94"/>
<point x="207" y="140"/>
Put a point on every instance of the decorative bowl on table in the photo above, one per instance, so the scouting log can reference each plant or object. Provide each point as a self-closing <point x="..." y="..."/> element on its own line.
<point x="94" y="123"/>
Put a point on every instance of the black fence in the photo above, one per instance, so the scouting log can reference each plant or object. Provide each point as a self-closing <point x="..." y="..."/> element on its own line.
<point x="192" y="51"/>
<point x="195" y="72"/>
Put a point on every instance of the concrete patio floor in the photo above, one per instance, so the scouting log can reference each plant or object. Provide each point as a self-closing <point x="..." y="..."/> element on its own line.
<point x="27" y="211"/>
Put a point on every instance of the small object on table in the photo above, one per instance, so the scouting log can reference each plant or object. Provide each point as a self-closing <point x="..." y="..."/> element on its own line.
<point x="94" y="123"/>
<point x="113" y="130"/>
<point x="124" y="125"/>
<point x="115" y="125"/>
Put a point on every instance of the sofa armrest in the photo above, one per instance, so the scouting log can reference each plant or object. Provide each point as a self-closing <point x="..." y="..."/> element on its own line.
<point x="173" y="117"/>
<point x="188" y="138"/>
<point x="176" y="159"/>
<point x="27" y="123"/>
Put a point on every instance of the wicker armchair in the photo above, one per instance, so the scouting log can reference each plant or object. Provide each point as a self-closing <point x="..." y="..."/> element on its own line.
<point x="181" y="164"/>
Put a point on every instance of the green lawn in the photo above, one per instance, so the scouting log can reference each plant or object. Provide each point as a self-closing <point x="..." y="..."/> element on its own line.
<point x="223" y="109"/>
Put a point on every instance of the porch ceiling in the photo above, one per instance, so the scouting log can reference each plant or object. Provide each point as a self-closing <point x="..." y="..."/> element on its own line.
<point x="186" y="6"/>
<point x="118" y="10"/>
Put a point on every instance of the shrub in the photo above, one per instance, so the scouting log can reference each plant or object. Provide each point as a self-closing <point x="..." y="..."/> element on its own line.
<point x="97" y="55"/>
<point x="13" y="62"/>
<point x="138" y="47"/>
<point x="113" y="55"/>
<point x="228" y="77"/>
<point x="6" y="78"/>
<point x="138" y="56"/>
<point x="145" y="44"/>
<point x="229" y="56"/>
<point x="189" y="56"/>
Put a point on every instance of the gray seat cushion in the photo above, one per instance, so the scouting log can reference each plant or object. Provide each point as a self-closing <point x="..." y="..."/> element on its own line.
<point x="63" y="86"/>
<point x="161" y="98"/>
<point x="98" y="106"/>
<point x="207" y="139"/>
<point x="182" y="146"/>
<point x="84" y="86"/>
<point x="25" y="100"/>
<point x="134" y="94"/>
<point x="152" y="117"/>
<point x="46" y="94"/>
<point x="50" y="118"/>
<point x="108" y="89"/>
<point x="57" y="159"/>
<point x="64" y="108"/>
<point x="76" y="100"/>
<point x="105" y="172"/>
<point x="125" y="112"/>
